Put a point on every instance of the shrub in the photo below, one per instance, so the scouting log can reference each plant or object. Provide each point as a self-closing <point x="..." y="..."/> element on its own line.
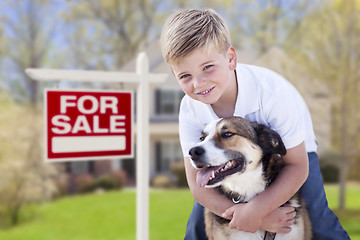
<point x="119" y="177"/>
<point x="162" y="181"/>
<point x="61" y="184"/>
<point x="84" y="183"/>
<point x="24" y="178"/>
<point x="105" y="182"/>
<point x="178" y="169"/>
<point x="330" y="173"/>
<point x="329" y="166"/>
<point x="21" y="184"/>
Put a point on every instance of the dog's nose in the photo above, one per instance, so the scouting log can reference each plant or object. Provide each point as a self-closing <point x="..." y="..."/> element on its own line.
<point x="196" y="153"/>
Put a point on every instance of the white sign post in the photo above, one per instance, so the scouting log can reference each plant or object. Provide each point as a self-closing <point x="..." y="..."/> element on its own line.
<point x="142" y="78"/>
<point x="142" y="151"/>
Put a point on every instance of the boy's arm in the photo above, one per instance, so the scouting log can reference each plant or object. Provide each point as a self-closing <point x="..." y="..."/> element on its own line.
<point x="248" y="217"/>
<point x="208" y="197"/>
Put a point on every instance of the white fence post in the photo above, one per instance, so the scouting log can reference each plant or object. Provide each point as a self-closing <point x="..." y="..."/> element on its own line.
<point x="142" y="149"/>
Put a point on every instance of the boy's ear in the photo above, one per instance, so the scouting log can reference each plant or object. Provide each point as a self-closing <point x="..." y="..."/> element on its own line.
<point x="269" y="140"/>
<point x="231" y="55"/>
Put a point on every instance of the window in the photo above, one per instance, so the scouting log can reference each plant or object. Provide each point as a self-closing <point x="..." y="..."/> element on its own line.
<point x="168" y="152"/>
<point x="168" y="101"/>
<point x="81" y="167"/>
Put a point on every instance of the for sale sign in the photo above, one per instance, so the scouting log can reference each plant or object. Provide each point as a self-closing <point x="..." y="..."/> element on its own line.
<point x="84" y="125"/>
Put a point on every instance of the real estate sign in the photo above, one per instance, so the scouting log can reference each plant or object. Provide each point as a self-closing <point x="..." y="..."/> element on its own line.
<point x="87" y="124"/>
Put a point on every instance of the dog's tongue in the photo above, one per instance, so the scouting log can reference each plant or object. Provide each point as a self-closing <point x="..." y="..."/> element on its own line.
<point x="203" y="176"/>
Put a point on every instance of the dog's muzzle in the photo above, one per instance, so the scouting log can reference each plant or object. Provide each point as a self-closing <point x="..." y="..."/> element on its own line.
<point x="197" y="156"/>
<point x="209" y="175"/>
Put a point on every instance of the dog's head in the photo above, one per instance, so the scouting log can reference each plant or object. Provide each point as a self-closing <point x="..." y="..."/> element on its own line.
<point x="232" y="145"/>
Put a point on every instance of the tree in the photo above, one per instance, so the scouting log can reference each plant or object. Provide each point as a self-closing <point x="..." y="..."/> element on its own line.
<point x="262" y="24"/>
<point x="106" y="34"/>
<point x="26" y="37"/>
<point x="327" y="43"/>
<point x="25" y="178"/>
<point x="27" y="31"/>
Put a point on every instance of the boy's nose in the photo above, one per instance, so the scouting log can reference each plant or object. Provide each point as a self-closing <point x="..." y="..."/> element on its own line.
<point x="199" y="82"/>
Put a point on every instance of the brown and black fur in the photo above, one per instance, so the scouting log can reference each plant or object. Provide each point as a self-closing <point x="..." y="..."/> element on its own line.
<point x="238" y="139"/>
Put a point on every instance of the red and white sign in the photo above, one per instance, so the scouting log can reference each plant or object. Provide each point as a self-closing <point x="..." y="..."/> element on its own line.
<point x="89" y="124"/>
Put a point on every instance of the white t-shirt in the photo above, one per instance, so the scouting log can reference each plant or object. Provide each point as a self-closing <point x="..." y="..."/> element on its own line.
<point x="263" y="96"/>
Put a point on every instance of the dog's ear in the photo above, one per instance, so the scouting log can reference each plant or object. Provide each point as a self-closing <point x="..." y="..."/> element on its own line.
<point x="269" y="140"/>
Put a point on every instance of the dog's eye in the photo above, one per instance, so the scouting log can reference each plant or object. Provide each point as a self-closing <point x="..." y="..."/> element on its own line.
<point x="202" y="138"/>
<point x="227" y="134"/>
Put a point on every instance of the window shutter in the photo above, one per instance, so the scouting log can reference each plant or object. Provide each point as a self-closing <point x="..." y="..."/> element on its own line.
<point x="157" y="101"/>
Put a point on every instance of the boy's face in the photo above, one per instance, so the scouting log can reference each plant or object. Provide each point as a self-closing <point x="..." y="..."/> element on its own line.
<point x="206" y="76"/>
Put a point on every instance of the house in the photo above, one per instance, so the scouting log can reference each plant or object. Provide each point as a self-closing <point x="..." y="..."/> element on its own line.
<point x="164" y="139"/>
<point x="164" y="105"/>
<point x="316" y="95"/>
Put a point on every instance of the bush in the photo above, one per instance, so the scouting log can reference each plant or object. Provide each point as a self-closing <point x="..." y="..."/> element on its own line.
<point x="329" y="167"/>
<point x="61" y="184"/>
<point x="84" y="183"/>
<point x="162" y="181"/>
<point x="330" y="173"/>
<point x="119" y="177"/>
<point x="178" y="169"/>
<point x="24" y="177"/>
<point x="105" y="182"/>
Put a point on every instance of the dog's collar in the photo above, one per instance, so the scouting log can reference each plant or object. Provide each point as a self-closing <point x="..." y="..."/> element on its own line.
<point x="269" y="235"/>
<point x="238" y="199"/>
<point x="235" y="198"/>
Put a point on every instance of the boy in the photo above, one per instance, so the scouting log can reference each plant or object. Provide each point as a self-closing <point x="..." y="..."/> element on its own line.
<point x="196" y="45"/>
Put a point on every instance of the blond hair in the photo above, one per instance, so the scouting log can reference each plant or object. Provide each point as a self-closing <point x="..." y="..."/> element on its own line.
<point x="190" y="29"/>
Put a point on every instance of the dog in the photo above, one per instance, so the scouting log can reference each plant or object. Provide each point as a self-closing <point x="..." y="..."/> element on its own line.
<point x="241" y="159"/>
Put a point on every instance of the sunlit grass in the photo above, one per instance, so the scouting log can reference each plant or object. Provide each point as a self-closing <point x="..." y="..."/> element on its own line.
<point x="350" y="217"/>
<point x="112" y="216"/>
<point x="105" y="216"/>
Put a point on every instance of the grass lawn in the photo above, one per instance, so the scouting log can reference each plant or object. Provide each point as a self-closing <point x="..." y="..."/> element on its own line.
<point x="111" y="216"/>
<point x="350" y="217"/>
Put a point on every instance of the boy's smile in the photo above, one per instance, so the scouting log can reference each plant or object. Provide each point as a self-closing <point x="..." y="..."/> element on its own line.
<point x="208" y="76"/>
<point x="206" y="92"/>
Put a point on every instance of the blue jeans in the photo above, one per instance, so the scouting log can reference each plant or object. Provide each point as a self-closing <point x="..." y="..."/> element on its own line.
<point x="325" y="223"/>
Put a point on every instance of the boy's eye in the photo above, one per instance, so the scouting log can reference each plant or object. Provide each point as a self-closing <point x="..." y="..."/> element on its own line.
<point x="208" y="67"/>
<point x="184" y="76"/>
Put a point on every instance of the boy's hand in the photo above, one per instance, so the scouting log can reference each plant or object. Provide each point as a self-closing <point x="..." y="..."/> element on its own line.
<point x="279" y="220"/>
<point x="244" y="217"/>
